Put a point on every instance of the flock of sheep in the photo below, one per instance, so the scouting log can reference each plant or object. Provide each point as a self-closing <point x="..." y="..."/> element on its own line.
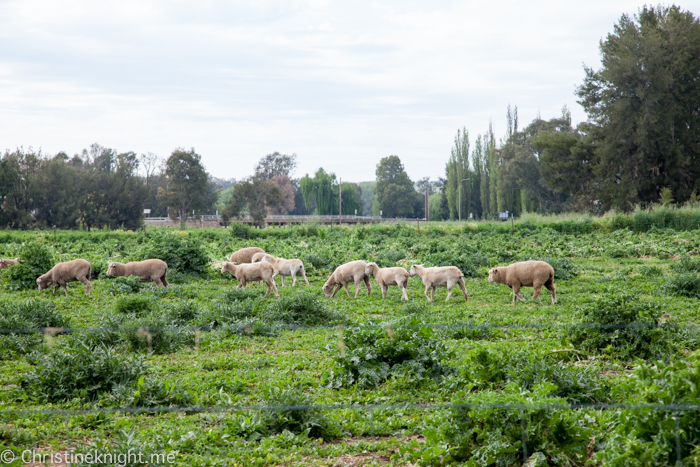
<point x="253" y="264"/>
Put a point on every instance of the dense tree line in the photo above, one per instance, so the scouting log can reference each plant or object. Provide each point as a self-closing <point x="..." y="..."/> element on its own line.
<point x="100" y="188"/>
<point x="642" y="139"/>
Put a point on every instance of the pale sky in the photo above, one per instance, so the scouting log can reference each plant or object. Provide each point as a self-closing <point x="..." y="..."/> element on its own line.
<point x="341" y="84"/>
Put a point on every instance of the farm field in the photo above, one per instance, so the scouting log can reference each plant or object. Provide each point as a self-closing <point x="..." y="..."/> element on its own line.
<point x="216" y="376"/>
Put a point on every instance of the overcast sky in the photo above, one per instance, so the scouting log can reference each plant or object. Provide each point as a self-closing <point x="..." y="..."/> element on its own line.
<point x="341" y="84"/>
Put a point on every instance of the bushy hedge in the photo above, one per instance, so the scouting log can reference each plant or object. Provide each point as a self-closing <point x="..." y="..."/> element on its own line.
<point x="183" y="254"/>
<point x="35" y="260"/>
<point x="642" y="333"/>
<point x="370" y="354"/>
<point x="27" y="314"/>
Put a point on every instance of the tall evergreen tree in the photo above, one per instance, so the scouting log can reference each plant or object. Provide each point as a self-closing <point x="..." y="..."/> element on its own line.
<point x="644" y="104"/>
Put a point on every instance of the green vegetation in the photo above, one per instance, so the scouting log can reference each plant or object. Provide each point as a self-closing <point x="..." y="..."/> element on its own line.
<point x="235" y="354"/>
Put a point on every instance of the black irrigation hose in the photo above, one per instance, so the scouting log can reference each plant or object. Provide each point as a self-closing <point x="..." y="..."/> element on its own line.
<point x="393" y="406"/>
<point x="292" y="327"/>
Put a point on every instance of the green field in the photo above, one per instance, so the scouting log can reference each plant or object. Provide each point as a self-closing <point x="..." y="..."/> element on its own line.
<point x="251" y="370"/>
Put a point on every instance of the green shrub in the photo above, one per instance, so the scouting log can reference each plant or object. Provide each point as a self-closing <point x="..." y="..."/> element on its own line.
<point x="80" y="372"/>
<point x="317" y="261"/>
<point x="493" y="435"/>
<point x="181" y="312"/>
<point x="647" y="437"/>
<point x="136" y="305"/>
<point x="687" y="264"/>
<point x="685" y="285"/>
<point x="237" y="318"/>
<point x="27" y="314"/>
<point x="415" y="307"/>
<point x="238" y="295"/>
<point x="641" y="332"/>
<point x="35" y="260"/>
<point x="156" y="333"/>
<point x="124" y="285"/>
<point x="650" y="271"/>
<point x="185" y="255"/>
<point x="471" y="331"/>
<point x="297" y="416"/>
<point x="620" y="252"/>
<point x="303" y="309"/>
<point x="389" y="258"/>
<point x="564" y="268"/>
<point x="239" y="230"/>
<point x="368" y="355"/>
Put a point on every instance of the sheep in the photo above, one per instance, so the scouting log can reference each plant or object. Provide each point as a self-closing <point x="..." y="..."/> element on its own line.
<point x="252" y="272"/>
<point x="245" y="255"/>
<point x="525" y="274"/>
<point x="287" y="267"/>
<point x="257" y="257"/>
<point x="354" y="271"/>
<point x="389" y="276"/>
<point x="4" y="263"/>
<point x="69" y="271"/>
<point x="150" y="270"/>
<point x="442" y="276"/>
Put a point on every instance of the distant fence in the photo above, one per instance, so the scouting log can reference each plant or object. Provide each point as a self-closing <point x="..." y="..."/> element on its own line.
<point x="215" y="221"/>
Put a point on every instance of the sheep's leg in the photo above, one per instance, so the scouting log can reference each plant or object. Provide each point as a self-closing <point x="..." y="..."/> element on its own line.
<point x="55" y="287"/>
<point x="157" y="280"/>
<point x="274" y="289"/>
<point x="427" y="287"/>
<point x="337" y="288"/>
<point x="404" y="295"/>
<point x="384" y="288"/>
<point x="294" y="278"/>
<point x="464" y="289"/>
<point x="242" y="283"/>
<point x="65" y="289"/>
<point x="368" y="284"/>
<point x="449" y="291"/>
<point x="88" y="286"/>
<point x="358" y="285"/>
<point x="550" y="286"/>
<point x="303" y="274"/>
<point x="432" y="293"/>
<point x="164" y="280"/>
<point x="516" y="293"/>
<point x="538" y="288"/>
<point x="345" y="285"/>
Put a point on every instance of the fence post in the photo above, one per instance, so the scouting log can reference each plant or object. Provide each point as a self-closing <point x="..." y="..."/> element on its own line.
<point x="522" y="428"/>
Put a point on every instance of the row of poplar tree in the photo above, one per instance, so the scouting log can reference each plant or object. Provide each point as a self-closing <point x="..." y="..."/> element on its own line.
<point x="642" y="138"/>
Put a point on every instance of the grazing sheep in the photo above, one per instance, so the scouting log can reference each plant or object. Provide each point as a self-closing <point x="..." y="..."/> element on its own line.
<point x="525" y="274"/>
<point x="245" y="255"/>
<point x="389" y="276"/>
<point x="354" y="271"/>
<point x="287" y="267"/>
<point x="443" y="276"/>
<point x="150" y="270"/>
<point x="4" y="263"/>
<point x="257" y="257"/>
<point x="252" y="272"/>
<point x="69" y="271"/>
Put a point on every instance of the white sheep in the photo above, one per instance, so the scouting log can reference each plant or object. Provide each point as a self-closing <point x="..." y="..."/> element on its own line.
<point x="354" y="271"/>
<point x="69" y="271"/>
<point x="252" y="272"/>
<point x="4" y="263"/>
<point x="287" y="267"/>
<point x="257" y="257"/>
<point x="245" y="255"/>
<point x="525" y="274"/>
<point x="442" y="276"/>
<point x="150" y="270"/>
<point x="389" y="276"/>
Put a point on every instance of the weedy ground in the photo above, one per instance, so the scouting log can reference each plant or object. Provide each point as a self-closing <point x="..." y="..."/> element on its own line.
<point x="227" y="349"/>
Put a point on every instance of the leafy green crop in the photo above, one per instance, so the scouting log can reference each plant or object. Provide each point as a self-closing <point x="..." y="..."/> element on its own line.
<point x="35" y="260"/>
<point x="368" y="355"/>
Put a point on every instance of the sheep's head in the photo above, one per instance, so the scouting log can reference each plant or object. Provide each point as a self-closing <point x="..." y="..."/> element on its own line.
<point x="3" y="264"/>
<point x="369" y="269"/>
<point x="228" y="267"/>
<point x="414" y="270"/>
<point x="494" y="274"/>
<point x="111" y="269"/>
<point x="328" y="288"/>
<point x="43" y="282"/>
